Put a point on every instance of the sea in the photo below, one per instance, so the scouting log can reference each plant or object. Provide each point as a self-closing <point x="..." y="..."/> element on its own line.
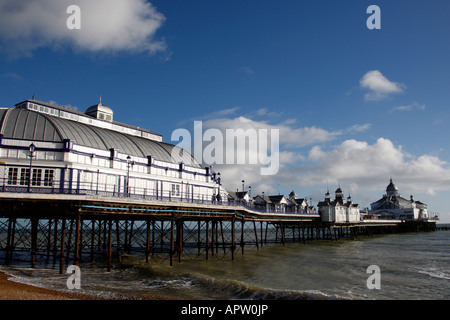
<point x="406" y="266"/>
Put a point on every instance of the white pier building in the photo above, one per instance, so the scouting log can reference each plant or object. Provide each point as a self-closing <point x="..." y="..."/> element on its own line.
<point x="46" y="148"/>
<point x="393" y="206"/>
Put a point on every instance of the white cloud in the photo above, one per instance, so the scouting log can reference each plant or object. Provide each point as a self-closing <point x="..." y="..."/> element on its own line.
<point x="292" y="137"/>
<point x="378" y="85"/>
<point x="292" y="142"/>
<point x="106" y="26"/>
<point x="370" y="165"/>
<point x="11" y="76"/>
<point x="409" y="107"/>
<point x="316" y="154"/>
<point x="246" y="70"/>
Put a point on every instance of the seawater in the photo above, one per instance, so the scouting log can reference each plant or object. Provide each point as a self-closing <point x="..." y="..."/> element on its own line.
<point x="412" y="265"/>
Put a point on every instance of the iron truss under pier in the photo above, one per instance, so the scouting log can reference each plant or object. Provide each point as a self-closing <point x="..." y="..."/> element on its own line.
<point x="70" y="229"/>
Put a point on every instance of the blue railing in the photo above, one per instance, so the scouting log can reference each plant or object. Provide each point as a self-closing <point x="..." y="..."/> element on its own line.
<point x="55" y="187"/>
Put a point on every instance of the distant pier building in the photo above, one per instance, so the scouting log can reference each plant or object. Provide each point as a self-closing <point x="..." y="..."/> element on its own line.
<point x="393" y="206"/>
<point x="339" y="210"/>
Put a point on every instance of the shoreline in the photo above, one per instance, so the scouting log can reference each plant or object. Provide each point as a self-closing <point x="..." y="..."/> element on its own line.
<point x="12" y="290"/>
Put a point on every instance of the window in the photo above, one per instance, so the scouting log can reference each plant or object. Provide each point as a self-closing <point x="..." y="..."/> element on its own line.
<point x="175" y="190"/>
<point x="24" y="176"/>
<point x="12" y="176"/>
<point x="48" y="178"/>
<point x="36" y="179"/>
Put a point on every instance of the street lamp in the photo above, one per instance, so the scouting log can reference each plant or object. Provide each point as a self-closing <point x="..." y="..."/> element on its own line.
<point x="32" y="149"/>
<point x="243" y="181"/>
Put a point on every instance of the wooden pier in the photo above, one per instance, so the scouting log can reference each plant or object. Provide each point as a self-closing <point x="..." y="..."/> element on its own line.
<point x="70" y="229"/>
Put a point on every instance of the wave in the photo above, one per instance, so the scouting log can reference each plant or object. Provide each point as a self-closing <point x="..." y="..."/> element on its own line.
<point x="435" y="273"/>
<point x="201" y="286"/>
<point x="276" y="294"/>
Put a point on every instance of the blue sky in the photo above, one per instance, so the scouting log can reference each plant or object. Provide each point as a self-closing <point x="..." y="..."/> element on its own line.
<point x="354" y="106"/>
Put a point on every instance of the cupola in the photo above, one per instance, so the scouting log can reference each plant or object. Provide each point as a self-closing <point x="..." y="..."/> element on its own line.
<point x="391" y="189"/>
<point x="101" y="112"/>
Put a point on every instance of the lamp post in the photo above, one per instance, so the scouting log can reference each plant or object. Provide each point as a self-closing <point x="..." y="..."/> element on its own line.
<point x="243" y="181"/>
<point x="32" y="149"/>
<point x="128" y="175"/>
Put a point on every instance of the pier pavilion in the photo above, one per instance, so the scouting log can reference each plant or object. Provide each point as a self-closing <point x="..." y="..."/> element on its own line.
<point x="47" y="148"/>
<point x="393" y="206"/>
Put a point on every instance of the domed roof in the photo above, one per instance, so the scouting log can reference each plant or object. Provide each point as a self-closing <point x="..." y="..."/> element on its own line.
<point x="391" y="189"/>
<point x="99" y="107"/>
<point x="391" y="186"/>
<point x="26" y="124"/>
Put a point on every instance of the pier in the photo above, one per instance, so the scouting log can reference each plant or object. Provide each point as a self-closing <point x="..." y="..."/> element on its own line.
<point x="71" y="229"/>
<point x="80" y="187"/>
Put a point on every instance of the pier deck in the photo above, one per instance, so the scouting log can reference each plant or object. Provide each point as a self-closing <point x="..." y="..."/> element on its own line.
<point x="78" y="228"/>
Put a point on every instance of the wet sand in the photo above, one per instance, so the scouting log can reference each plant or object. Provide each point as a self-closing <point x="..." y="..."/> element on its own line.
<point x="11" y="290"/>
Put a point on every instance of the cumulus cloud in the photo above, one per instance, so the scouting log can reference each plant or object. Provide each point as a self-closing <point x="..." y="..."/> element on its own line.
<point x="293" y="144"/>
<point x="106" y="26"/>
<point x="378" y="85"/>
<point x="368" y="165"/>
<point x="290" y="136"/>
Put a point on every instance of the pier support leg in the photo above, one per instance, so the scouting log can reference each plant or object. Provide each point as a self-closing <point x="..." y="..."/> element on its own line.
<point x="172" y="238"/>
<point x="76" y="255"/>
<point x="147" y="248"/>
<point x="242" y="236"/>
<point x="261" y="227"/>
<point x="256" y="235"/>
<point x="179" y="241"/>
<point x="9" y="241"/>
<point x="199" y="241"/>
<point x="34" y="231"/>
<point x="223" y="238"/>
<point x="92" y="239"/>
<point x="55" y="241"/>
<point x="153" y="237"/>
<point x="207" y="239"/>
<point x="49" y="239"/>
<point x="233" y="245"/>
<point x="130" y="237"/>
<point x="63" y="240"/>
<point x="118" y="249"/>
<point x="109" y="244"/>
<point x="69" y="244"/>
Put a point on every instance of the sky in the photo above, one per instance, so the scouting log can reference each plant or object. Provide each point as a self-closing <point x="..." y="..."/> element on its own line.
<point x="354" y="106"/>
